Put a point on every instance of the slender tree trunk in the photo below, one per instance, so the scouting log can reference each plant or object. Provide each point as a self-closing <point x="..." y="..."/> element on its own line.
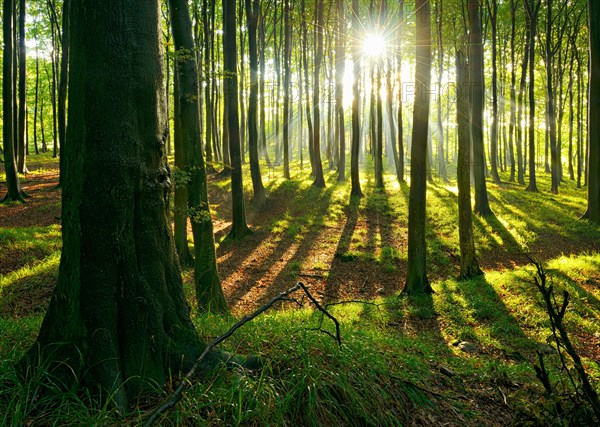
<point x="532" y="11"/>
<point x="340" y="67"/>
<point x="37" y="92"/>
<point x="400" y="167"/>
<point x="252" y="15"/>
<point x="551" y="99"/>
<point x="209" y="293"/>
<point x="22" y="140"/>
<point x="319" y="181"/>
<point x="469" y="267"/>
<point x="521" y="103"/>
<point x="311" y="134"/>
<point x="355" y="146"/>
<point x="482" y="205"/>
<point x="416" y="276"/>
<point x="513" y="94"/>
<point x="493" y="12"/>
<point x="287" y="78"/>
<point x="239" y="229"/>
<point x="13" y="184"/>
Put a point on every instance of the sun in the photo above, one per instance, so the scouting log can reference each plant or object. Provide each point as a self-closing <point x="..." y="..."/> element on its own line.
<point x="374" y="45"/>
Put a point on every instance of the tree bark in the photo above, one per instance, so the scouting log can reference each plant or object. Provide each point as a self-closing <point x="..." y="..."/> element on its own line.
<point x="22" y="115"/>
<point x="340" y="66"/>
<point x="13" y="184"/>
<point x="239" y="229"/>
<point x="416" y="276"/>
<point x="63" y="81"/>
<point x="482" y="205"/>
<point x="593" y="209"/>
<point x="118" y="320"/>
<point x="469" y="267"/>
<point x="319" y="181"/>
<point x="355" y="146"/>
<point x="532" y="10"/>
<point x="252" y="14"/>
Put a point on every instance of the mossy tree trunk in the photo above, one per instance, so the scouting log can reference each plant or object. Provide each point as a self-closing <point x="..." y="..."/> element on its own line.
<point x="118" y="319"/>
<point x="209" y="293"/>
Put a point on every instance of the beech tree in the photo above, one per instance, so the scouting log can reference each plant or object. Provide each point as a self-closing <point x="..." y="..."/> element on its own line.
<point x="593" y="209"/>
<point x="209" y="293"/>
<point x="416" y="275"/>
<point x="355" y="146"/>
<point x="118" y="319"/>
<point x="13" y="184"/>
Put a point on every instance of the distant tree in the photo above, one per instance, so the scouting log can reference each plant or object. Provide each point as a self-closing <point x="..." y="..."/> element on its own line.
<point x="355" y="147"/>
<point x="400" y="165"/>
<point x="532" y="8"/>
<point x="416" y="276"/>
<point x="13" y="184"/>
<point x="118" y="321"/>
<point x="593" y="209"/>
<point x="239" y="229"/>
<point x="22" y="112"/>
<point x="492" y="7"/>
<point x="340" y="67"/>
<point x="252" y="14"/>
<point x="287" y="79"/>
<point x="318" y="166"/>
<point x="482" y="205"/>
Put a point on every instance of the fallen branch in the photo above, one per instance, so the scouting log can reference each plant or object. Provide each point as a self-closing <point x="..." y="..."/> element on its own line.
<point x="186" y="381"/>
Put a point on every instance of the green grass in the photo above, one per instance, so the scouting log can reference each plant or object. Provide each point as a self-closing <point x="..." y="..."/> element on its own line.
<point x="392" y="351"/>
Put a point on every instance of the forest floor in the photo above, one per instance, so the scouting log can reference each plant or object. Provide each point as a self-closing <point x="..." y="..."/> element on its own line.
<point x="356" y="250"/>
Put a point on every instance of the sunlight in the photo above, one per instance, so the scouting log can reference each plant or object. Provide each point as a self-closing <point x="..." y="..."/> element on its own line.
<point x="374" y="45"/>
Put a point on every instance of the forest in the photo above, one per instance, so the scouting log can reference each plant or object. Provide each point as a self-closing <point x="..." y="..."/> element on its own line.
<point x="300" y="212"/>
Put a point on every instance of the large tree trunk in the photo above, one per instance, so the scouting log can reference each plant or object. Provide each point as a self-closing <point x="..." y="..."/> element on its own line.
<point x="239" y="228"/>
<point x="63" y="82"/>
<point x="593" y="209"/>
<point x="469" y="266"/>
<point x="13" y="183"/>
<point x="416" y="276"/>
<point x="252" y="15"/>
<point x="355" y="147"/>
<point x="118" y="319"/>
<point x="482" y="205"/>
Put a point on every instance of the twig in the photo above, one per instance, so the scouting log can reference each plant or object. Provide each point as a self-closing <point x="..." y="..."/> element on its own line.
<point x="186" y="381"/>
<point x="418" y="387"/>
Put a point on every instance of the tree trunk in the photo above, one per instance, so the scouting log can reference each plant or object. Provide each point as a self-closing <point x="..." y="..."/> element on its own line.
<point x="206" y="279"/>
<point x="551" y="97"/>
<point x="287" y="78"/>
<point x="493" y="12"/>
<point x="521" y="102"/>
<point x="37" y="92"/>
<point x="355" y="145"/>
<point x="532" y="11"/>
<point x="482" y="205"/>
<point x="252" y="15"/>
<point x="309" y="124"/>
<point x="593" y="209"/>
<point x="319" y="181"/>
<point x="239" y="229"/>
<point x="400" y="167"/>
<point x="13" y="184"/>
<point x="63" y="82"/>
<point x="469" y="267"/>
<point x="416" y="276"/>
<point x="22" y="140"/>
<point x="513" y="95"/>
<point x="118" y="320"/>
<point x="340" y="67"/>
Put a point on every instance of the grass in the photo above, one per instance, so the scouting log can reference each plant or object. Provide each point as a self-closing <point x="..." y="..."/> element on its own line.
<point x="399" y="362"/>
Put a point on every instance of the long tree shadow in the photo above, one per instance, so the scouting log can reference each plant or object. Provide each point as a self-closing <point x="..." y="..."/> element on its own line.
<point x="480" y="316"/>
<point x="304" y="228"/>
